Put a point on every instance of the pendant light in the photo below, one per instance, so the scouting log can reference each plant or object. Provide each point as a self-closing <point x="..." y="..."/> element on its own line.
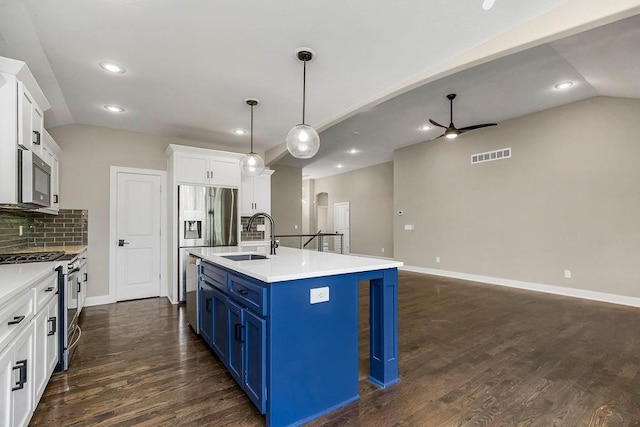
<point x="303" y="141"/>
<point x="251" y="164"/>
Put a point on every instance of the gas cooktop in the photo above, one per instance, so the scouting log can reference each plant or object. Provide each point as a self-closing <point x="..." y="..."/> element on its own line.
<point x="30" y="257"/>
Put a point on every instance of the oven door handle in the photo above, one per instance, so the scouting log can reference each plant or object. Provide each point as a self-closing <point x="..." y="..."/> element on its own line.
<point x="75" y="270"/>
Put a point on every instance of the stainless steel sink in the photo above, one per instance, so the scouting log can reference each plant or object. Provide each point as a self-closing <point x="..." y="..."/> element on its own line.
<point x="244" y="257"/>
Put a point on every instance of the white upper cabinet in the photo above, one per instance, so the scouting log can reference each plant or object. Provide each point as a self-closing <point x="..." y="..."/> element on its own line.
<point x="215" y="169"/>
<point x="255" y="194"/>
<point x="22" y="104"/>
<point x="30" y="121"/>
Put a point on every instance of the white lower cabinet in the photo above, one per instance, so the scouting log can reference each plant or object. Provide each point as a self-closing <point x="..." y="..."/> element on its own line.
<point x="28" y="351"/>
<point x="17" y="380"/>
<point x="46" y="346"/>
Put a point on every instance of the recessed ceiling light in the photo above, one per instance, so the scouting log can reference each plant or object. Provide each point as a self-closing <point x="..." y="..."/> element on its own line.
<point x="488" y="4"/>
<point x="425" y="127"/>
<point x="353" y="151"/>
<point x="114" y="108"/>
<point x="563" y="85"/>
<point x="112" y="68"/>
<point x="239" y="131"/>
<point x="339" y="166"/>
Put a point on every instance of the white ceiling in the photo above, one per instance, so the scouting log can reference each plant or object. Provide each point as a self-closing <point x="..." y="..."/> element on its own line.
<point x="191" y="63"/>
<point x="603" y="61"/>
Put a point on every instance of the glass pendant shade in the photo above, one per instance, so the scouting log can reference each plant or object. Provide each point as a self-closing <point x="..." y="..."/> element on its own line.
<point x="303" y="141"/>
<point x="251" y="165"/>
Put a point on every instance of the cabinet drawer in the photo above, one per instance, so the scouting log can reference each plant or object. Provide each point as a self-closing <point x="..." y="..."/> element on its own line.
<point x="14" y="316"/>
<point x="216" y="276"/>
<point x="45" y="290"/>
<point x="248" y="293"/>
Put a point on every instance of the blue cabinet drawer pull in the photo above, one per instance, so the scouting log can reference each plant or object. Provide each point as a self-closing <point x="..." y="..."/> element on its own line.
<point x="16" y="320"/>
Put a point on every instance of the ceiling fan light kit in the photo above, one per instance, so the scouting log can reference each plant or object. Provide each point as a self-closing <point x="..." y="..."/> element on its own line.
<point x="452" y="132"/>
<point x="302" y="140"/>
<point x="251" y="164"/>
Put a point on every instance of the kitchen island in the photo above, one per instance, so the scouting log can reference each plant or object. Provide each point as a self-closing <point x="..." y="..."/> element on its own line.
<point x="286" y="327"/>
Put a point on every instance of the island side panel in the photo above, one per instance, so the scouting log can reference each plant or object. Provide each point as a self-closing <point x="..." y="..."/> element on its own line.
<point x="384" y="326"/>
<point x="313" y="360"/>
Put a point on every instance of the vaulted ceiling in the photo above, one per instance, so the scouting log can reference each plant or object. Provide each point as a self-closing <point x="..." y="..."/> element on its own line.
<point x="190" y="64"/>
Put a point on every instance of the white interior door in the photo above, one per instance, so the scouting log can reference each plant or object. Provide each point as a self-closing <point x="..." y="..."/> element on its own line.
<point x="138" y="236"/>
<point x="341" y="223"/>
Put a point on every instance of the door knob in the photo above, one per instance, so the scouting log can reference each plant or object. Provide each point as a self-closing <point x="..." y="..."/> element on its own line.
<point x="121" y="242"/>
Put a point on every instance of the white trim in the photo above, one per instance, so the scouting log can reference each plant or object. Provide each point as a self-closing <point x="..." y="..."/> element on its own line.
<point x="537" y="287"/>
<point x="113" y="197"/>
<point x="99" y="300"/>
<point x="372" y="256"/>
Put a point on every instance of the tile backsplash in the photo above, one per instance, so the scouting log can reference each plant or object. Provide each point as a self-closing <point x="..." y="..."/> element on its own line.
<point x="68" y="228"/>
<point x="254" y="234"/>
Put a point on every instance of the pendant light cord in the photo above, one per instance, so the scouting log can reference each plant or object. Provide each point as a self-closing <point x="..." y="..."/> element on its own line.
<point x="251" y="130"/>
<point x="304" y="88"/>
<point x="451" y="110"/>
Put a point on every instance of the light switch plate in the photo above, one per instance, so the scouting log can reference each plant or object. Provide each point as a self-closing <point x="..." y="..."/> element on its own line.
<point x="409" y="227"/>
<point x="261" y="227"/>
<point x="317" y="295"/>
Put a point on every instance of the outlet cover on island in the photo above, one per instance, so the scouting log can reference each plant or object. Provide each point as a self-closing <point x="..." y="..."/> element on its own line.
<point x="319" y="295"/>
<point x="567" y="274"/>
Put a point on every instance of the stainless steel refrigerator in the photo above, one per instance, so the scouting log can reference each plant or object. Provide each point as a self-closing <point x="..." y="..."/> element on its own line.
<point x="207" y="216"/>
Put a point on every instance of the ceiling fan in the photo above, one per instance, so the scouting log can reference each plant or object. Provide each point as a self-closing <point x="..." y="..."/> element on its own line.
<point x="451" y="131"/>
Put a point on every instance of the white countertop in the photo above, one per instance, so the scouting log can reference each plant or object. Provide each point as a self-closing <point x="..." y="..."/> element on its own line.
<point x="14" y="278"/>
<point x="292" y="264"/>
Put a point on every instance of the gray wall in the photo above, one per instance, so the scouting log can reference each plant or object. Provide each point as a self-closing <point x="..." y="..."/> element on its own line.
<point x="286" y="199"/>
<point x="88" y="152"/>
<point x="369" y="192"/>
<point x="568" y="199"/>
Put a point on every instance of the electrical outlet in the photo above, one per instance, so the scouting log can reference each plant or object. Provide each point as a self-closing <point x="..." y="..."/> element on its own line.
<point x="295" y="227"/>
<point x="20" y="232"/>
<point x="567" y="274"/>
<point x="409" y="227"/>
<point x="382" y="250"/>
<point x="437" y="260"/>
<point x="317" y="295"/>
<point x="261" y="227"/>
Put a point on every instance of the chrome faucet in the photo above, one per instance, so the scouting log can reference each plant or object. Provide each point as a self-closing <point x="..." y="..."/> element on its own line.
<point x="274" y="243"/>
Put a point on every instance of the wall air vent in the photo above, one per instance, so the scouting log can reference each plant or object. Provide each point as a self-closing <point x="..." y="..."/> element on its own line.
<point x="503" y="153"/>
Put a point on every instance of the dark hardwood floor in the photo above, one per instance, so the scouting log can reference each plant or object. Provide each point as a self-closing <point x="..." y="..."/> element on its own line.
<point x="470" y="355"/>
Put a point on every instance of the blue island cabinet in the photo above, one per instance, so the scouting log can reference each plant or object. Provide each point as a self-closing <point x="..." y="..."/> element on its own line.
<point x="297" y="359"/>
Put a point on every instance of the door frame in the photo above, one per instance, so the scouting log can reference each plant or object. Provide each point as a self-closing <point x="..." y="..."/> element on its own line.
<point x="346" y="248"/>
<point x="113" y="204"/>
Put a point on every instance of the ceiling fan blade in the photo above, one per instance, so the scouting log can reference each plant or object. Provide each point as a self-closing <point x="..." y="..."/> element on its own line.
<point x="468" y="128"/>
<point x="433" y="122"/>
<point x="437" y="137"/>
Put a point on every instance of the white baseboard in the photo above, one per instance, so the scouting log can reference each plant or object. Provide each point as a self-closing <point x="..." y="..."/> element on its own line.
<point x="537" y="287"/>
<point x="106" y="299"/>
<point x="99" y="300"/>
<point x="372" y="256"/>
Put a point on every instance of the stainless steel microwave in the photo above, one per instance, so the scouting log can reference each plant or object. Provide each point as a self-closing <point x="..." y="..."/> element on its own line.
<point x="34" y="183"/>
